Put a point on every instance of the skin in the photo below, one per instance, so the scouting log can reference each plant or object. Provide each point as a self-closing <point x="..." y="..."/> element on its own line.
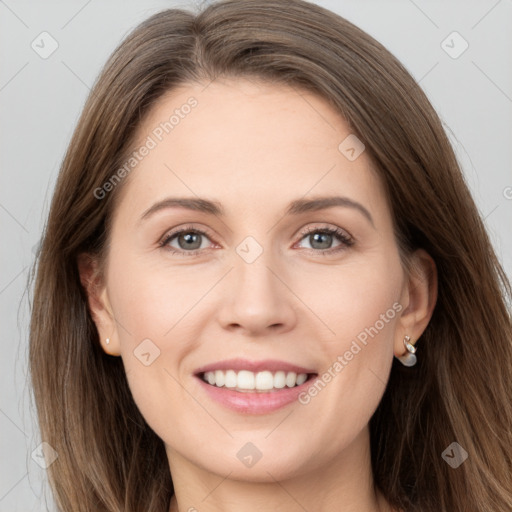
<point x="254" y="148"/>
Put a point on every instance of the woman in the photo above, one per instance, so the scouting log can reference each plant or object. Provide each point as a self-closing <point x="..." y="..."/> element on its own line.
<point x="259" y="208"/>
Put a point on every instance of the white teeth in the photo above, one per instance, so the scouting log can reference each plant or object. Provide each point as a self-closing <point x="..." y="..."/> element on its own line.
<point x="219" y="378"/>
<point x="229" y="379"/>
<point x="245" y="380"/>
<point x="291" y="379"/>
<point x="264" y="380"/>
<point x="279" y="380"/>
<point x="301" y="378"/>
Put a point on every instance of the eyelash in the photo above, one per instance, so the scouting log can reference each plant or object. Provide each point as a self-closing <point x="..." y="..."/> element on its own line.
<point x="342" y="236"/>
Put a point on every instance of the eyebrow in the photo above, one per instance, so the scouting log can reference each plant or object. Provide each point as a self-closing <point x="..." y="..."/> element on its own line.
<point x="296" y="207"/>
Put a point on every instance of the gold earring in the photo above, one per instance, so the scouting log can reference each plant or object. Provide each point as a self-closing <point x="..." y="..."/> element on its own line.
<point x="409" y="358"/>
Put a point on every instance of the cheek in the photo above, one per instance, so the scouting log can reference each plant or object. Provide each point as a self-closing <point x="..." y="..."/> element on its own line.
<point x="153" y="302"/>
<point x="361" y="308"/>
<point x="354" y="298"/>
<point x="157" y="327"/>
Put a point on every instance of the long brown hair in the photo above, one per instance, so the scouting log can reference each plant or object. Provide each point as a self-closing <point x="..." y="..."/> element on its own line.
<point x="460" y="390"/>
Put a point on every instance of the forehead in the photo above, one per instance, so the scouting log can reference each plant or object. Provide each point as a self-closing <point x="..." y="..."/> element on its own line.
<point x="244" y="140"/>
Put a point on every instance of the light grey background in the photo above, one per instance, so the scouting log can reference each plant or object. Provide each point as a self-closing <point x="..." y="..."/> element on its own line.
<point x="41" y="100"/>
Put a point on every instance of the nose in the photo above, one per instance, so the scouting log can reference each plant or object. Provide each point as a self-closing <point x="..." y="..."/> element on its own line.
<point x="258" y="300"/>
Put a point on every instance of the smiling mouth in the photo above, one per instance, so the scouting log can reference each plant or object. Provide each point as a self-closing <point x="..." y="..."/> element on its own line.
<point x="246" y="381"/>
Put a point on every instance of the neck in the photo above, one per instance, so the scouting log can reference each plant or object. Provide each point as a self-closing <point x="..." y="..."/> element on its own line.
<point x="344" y="484"/>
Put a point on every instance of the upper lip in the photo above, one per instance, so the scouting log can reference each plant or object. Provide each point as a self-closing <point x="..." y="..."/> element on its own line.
<point x="237" y="364"/>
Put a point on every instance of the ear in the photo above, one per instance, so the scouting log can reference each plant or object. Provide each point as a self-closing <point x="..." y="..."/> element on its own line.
<point x="99" y="304"/>
<point x="418" y="299"/>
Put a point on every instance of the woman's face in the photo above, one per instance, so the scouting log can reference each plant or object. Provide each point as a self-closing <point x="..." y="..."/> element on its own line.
<point x="255" y="289"/>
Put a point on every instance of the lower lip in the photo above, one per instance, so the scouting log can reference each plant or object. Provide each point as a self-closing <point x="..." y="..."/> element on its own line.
<point x="254" y="402"/>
